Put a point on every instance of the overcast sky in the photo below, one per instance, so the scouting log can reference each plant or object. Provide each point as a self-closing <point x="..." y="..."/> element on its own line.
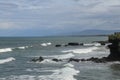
<point x="50" y="17"/>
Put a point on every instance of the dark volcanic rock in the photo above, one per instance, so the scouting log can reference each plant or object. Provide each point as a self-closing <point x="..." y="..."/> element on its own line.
<point x="69" y="44"/>
<point x="40" y="59"/>
<point x="97" y="60"/>
<point x="114" y="47"/>
<point x="66" y="45"/>
<point x="34" y="60"/>
<point x="73" y="44"/>
<point x="37" y="59"/>
<point x="72" y="59"/>
<point x="56" y="60"/>
<point x="81" y="44"/>
<point x="101" y="42"/>
<point x="114" y="52"/>
<point x="93" y="59"/>
<point x="58" y="45"/>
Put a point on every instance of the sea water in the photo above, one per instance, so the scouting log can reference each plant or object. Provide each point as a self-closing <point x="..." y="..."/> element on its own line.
<point x="16" y="54"/>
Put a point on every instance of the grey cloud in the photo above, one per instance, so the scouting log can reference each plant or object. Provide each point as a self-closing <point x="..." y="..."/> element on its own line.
<point x="8" y="6"/>
<point x="64" y="14"/>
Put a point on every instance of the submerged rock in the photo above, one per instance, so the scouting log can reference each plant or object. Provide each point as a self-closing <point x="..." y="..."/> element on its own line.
<point x="73" y="44"/>
<point x="41" y="59"/>
<point x="56" y="60"/>
<point x="98" y="60"/>
<point x="72" y="59"/>
<point x="101" y="42"/>
<point x="58" y="45"/>
<point x="69" y="44"/>
<point x="93" y="59"/>
<point x="113" y="56"/>
<point x="34" y="60"/>
<point x="38" y="59"/>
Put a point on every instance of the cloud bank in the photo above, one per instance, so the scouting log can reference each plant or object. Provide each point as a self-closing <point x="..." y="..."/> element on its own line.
<point x="49" y="17"/>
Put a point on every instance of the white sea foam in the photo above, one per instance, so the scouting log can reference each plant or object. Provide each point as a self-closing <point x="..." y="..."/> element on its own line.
<point x="65" y="73"/>
<point x="84" y="50"/>
<point x="2" y="61"/>
<point x="23" y="47"/>
<point x="69" y="65"/>
<point x="43" y="44"/>
<point x="5" y="50"/>
<point x="92" y="44"/>
<point x="46" y="44"/>
<point x="64" y="56"/>
<point x="49" y="43"/>
<point x="88" y="44"/>
<point x="37" y="70"/>
<point x="97" y="44"/>
<point x="47" y="61"/>
<point x="106" y="45"/>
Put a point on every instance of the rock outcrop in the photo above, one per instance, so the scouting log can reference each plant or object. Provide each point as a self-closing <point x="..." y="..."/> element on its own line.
<point x="101" y="42"/>
<point x="114" y="47"/>
<point x="37" y="59"/>
<point x="69" y="44"/>
<point x="58" y="45"/>
<point x="73" y="44"/>
<point x="113" y="56"/>
<point x="93" y="59"/>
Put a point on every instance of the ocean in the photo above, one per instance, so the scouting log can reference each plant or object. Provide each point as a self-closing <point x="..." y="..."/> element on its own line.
<point x="16" y="54"/>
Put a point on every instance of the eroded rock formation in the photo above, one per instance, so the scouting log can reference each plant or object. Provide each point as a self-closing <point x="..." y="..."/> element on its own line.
<point x="113" y="56"/>
<point x="114" y="47"/>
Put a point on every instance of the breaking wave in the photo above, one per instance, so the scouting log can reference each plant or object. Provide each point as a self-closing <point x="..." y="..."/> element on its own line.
<point x="2" y="61"/>
<point x="23" y="47"/>
<point x="5" y="50"/>
<point x="65" y="73"/>
<point x="92" y="44"/>
<point x="11" y="49"/>
<point x="47" y="61"/>
<point x="64" y="56"/>
<point x="46" y="44"/>
<point x="84" y="50"/>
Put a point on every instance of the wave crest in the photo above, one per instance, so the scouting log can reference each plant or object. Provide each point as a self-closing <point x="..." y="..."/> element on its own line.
<point x="65" y="73"/>
<point x="46" y="44"/>
<point x="5" y="50"/>
<point x="84" y="50"/>
<point x="64" y="56"/>
<point x="2" y="61"/>
<point x="23" y="47"/>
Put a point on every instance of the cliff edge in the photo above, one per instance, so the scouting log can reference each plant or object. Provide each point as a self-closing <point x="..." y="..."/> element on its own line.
<point x="114" y="47"/>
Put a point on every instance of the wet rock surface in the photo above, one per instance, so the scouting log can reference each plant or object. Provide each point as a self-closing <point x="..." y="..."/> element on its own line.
<point x="114" y="47"/>
<point x="73" y="44"/>
<point x="58" y="45"/>
<point x="93" y="59"/>
<point x="56" y="60"/>
<point x="113" y="56"/>
<point x="37" y="59"/>
<point x="101" y="42"/>
<point x="69" y="44"/>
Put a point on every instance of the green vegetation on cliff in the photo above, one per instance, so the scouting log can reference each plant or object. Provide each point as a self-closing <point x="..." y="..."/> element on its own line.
<point x="115" y="36"/>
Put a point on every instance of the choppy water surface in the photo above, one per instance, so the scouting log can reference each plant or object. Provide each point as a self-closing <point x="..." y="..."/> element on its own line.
<point x="16" y="54"/>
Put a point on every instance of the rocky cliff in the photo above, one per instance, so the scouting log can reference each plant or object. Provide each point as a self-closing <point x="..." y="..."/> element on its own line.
<point x="114" y="47"/>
